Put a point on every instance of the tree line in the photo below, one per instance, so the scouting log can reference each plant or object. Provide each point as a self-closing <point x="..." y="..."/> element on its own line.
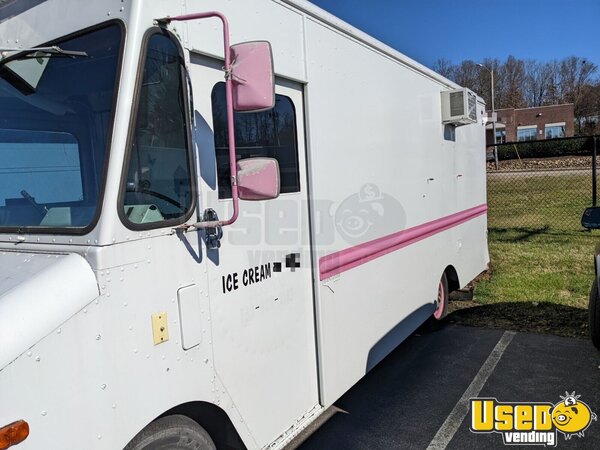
<point x="522" y="83"/>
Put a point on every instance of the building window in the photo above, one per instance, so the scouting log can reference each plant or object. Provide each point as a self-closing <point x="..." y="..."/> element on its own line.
<point x="158" y="186"/>
<point x="526" y="134"/>
<point x="269" y="134"/>
<point x="555" y="130"/>
<point x="500" y="136"/>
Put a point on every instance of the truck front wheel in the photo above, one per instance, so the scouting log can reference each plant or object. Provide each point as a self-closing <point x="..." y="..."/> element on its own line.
<point x="175" y="432"/>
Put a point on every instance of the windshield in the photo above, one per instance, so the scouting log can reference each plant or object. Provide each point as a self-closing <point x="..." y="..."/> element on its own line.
<point x="55" y="116"/>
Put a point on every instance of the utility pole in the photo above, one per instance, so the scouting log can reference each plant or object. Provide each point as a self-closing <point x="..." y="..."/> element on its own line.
<point x="493" y="111"/>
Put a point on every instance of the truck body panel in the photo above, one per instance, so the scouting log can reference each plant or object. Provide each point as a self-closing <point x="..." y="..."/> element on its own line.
<point x="304" y="294"/>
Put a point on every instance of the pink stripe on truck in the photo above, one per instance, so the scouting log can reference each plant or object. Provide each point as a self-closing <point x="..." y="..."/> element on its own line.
<point x="349" y="258"/>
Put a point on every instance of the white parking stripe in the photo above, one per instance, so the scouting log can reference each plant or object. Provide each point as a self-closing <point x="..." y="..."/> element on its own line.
<point x="450" y="426"/>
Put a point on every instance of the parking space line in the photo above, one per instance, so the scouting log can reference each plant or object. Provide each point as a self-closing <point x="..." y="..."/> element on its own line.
<point x="450" y="426"/>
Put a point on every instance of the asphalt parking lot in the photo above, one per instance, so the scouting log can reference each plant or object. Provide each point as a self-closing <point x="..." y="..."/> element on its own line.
<point x="418" y="397"/>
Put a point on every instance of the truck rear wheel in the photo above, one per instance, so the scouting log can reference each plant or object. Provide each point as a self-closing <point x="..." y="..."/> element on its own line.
<point x="594" y="312"/>
<point x="175" y="432"/>
<point x="441" y="309"/>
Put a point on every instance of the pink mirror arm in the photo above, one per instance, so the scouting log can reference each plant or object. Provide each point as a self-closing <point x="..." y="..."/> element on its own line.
<point x="230" y="119"/>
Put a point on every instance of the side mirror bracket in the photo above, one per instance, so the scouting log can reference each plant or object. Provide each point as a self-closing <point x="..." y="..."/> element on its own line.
<point x="251" y="65"/>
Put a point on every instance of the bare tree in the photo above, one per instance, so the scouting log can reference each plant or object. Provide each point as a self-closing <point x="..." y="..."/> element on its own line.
<point x="445" y="68"/>
<point x="531" y="83"/>
<point x="539" y="78"/>
<point x="576" y="74"/>
<point x="511" y="80"/>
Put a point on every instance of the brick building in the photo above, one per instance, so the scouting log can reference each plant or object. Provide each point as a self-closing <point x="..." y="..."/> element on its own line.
<point x="530" y="124"/>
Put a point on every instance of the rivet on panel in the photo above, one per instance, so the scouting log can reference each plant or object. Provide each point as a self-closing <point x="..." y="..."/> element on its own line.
<point x="37" y="358"/>
<point x="29" y="354"/>
<point x="103" y="387"/>
<point x="58" y="331"/>
<point x="44" y="413"/>
<point x="98" y="337"/>
<point x="135" y="350"/>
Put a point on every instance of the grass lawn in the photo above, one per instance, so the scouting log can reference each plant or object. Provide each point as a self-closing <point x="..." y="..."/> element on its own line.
<point x="541" y="265"/>
<point x="529" y="265"/>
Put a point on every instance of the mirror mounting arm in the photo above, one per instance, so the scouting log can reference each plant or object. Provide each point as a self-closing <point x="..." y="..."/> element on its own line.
<point x="230" y="119"/>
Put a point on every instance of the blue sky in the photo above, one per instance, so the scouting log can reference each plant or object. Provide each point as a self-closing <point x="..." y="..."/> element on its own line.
<point x="456" y="30"/>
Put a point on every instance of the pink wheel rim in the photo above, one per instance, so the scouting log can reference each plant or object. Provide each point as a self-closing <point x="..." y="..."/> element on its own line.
<point x="441" y="302"/>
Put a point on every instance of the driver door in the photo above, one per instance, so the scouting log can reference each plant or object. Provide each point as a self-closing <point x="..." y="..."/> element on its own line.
<point x="260" y="278"/>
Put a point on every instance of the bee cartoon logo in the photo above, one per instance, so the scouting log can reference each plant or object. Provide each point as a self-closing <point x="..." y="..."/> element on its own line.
<point x="532" y="423"/>
<point x="571" y="416"/>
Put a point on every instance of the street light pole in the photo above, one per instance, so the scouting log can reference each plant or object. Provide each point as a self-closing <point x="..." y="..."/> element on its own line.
<point x="493" y="110"/>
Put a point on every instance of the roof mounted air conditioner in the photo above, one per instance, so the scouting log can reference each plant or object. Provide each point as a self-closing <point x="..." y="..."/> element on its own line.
<point x="459" y="107"/>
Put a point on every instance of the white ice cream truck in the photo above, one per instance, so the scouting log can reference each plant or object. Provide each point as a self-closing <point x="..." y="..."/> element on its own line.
<point x="201" y="246"/>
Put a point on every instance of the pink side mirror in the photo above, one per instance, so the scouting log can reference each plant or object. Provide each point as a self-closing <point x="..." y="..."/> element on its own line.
<point x="258" y="178"/>
<point x="253" y="76"/>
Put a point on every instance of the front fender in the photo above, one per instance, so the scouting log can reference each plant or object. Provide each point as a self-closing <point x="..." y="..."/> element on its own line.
<point x="39" y="292"/>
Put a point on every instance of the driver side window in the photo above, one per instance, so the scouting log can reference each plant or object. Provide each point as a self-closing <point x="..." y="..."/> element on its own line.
<point x="158" y="187"/>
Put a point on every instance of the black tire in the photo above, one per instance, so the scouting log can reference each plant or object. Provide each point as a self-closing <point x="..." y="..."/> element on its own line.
<point x="594" y="313"/>
<point x="172" y="433"/>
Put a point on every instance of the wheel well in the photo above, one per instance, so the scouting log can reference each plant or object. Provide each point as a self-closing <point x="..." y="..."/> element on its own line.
<point x="214" y="420"/>
<point x="452" y="277"/>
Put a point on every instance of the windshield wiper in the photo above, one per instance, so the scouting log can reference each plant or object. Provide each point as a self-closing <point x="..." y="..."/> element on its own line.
<point x="54" y="50"/>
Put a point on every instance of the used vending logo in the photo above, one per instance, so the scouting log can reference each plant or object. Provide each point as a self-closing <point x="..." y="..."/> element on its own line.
<point x="531" y="423"/>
